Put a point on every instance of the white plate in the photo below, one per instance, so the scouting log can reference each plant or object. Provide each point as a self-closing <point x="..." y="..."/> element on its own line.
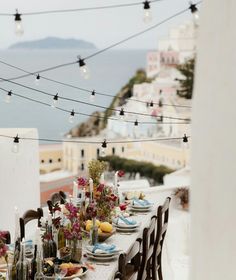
<point x="126" y="229"/>
<point x="103" y="258"/>
<point x="141" y="206"/>
<point x="140" y="209"/>
<point x="101" y="254"/>
<point x="123" y="225"/>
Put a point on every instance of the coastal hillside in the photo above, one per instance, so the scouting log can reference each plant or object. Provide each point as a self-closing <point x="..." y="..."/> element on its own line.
<point x="98" y="120"/>
<point x="54" y="43"/>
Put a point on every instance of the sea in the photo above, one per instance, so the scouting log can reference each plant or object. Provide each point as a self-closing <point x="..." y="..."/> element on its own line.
<point x="109" y="72"/>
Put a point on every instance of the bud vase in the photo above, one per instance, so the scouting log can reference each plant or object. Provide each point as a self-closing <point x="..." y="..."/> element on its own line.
<point x="76" y="250"/>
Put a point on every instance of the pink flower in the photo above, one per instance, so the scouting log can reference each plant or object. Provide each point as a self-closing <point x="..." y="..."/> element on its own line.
<point x="100" y="187"/>
<point x="3" y="250"/>
<point x="121" y="173"/>
<point x="82" y="181"/>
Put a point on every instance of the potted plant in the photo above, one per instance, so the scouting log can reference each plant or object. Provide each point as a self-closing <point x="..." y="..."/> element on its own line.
<point x="182" y="194"/>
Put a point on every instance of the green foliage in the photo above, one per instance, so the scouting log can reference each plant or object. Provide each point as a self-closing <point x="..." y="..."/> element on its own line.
<point x="96" y="168"/>
<point x="186" y="84"/>
<point x="126" y="92"/>
<point x="146" y="169"/>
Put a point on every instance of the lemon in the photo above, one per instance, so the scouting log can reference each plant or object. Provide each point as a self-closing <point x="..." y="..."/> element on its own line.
<point x="106" y="227"/>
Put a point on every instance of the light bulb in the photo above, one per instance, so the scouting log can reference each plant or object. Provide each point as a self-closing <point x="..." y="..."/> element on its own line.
<point x="136" y="131"/>
<point x="15" y="146"/>
<point x="122" y="114"/>
<point x="103" y="149"/>
<point x="84" y="70"/>
<point x="194" y="10"/>
<point x="92" y="96"/>
<point x="185" y="142"/>
<point x="147" y="16"/>
<point x="37" y="79"/>
<point x="55" y="101"/>
<point x="18" y="24"/>
<point x="8" y="97"/>
<point x="72" y="117"/>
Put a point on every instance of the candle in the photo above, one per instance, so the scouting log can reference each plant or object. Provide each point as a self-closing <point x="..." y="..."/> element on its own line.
<point x="17" y="223"/>
<point x="91" y="188"/>
<point x="75" y="189"/>
<point x="116" y="180"/>
<point x="38" y="238"/>
<point x="102" y="179"/>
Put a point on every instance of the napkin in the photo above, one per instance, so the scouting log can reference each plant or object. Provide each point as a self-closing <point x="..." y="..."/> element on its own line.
<point x="141" y="202"/>
<point x="122" y="219"/>
<point x="103" y="248"/>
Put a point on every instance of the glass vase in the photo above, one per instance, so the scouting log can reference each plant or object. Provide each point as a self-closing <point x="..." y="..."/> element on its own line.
<point x="76" y="250"/>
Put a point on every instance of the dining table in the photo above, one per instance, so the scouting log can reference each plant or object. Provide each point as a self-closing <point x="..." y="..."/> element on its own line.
<point x="123" y="242"/>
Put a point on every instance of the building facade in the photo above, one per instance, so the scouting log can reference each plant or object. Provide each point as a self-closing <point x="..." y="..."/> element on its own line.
<point x="50" y="158"/>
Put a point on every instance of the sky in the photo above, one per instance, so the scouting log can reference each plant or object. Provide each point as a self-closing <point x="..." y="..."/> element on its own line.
<point x="102" y="27"/>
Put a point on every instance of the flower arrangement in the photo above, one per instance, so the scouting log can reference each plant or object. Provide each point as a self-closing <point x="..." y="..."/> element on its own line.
<point x="3" y="246"/>
<point x="183" y="195"/>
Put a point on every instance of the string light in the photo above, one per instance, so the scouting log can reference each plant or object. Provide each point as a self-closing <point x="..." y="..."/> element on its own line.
<point x="103" y="149"/>
<point x="18" y="24"/>
<point x="122" y="114"/>
<point x="147" y="16"/>
<point x="136" y="123"/>
<point x="72" y="116"/>
<point x="136" y="129"/>
<point x="82" y="89"/>
<point x="92" y="96"/>
<point x="37" y="78"/>
<point x="160" y="104"/>
<point x="185" y="138"/>
<point x="15" y="146"/>
<point x="55" y="101"/>
<point x="151" y="104"/>
<point x="194" y="10"/>
<point x="8" y="97"/>
<point x="84" y="70"/>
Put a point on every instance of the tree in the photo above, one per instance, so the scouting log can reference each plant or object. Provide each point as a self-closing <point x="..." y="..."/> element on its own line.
<point x="186" y="84"/>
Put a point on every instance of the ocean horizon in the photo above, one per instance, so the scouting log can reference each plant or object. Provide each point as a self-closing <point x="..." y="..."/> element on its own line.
<point x="110" y="71"/>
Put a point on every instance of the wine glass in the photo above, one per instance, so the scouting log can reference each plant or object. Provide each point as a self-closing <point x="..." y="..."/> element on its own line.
<point x="59" y="272"/>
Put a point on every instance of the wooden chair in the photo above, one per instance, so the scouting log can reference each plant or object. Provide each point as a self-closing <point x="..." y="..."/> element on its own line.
<point x="28" y="216"/>
<point x="162" y="224"/>
<point x="148" y="245"/>
<point x="58" y="198"/>
<point x="129" y="264"/>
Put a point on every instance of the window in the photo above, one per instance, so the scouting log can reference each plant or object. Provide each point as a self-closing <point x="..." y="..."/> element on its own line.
<point x="82" y="166"/>
<point x="113" y="150"/>
<point x="123" y="149"/>
<point x="98" y="153"/>
<point x="82" y="153"/>
<point x="42" y="161"/>
<point x="50" y="160"/>
<point x="59" y="160"/>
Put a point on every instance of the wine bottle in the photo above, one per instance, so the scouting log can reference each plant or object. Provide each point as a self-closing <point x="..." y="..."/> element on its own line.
<point x="49" y="245"/>
<point x="33" y="264"/>
<point x="22" y="266"/>
<point x="39" y="273"/>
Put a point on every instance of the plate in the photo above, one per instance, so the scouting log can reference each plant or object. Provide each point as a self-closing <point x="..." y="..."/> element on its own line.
<point x="141" y="206"/>
<point x="101" y="254"/>
<point x="140" y="209"/>
<point x="126" y="229"/>
<point x="103" y="258"/>
<point x="123" y="225"/>
<point x="78" y="274"/>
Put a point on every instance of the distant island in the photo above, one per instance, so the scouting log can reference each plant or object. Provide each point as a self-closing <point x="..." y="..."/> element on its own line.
<point x="53" y="43"/>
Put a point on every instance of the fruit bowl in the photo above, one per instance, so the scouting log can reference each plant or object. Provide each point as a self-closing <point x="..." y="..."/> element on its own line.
<point x="102" y="236"/>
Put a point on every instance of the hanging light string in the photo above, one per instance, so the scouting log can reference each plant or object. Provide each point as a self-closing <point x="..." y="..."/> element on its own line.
<point x="184" y="138"/>
<point x="82" y="60"/>
<point x="94" y="92"/>
<point x="83" y="114"/>
<point x="89" y="104"/>
<point x="80" y="9"/>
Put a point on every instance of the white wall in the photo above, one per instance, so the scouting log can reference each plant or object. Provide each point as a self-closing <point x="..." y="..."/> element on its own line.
<point x="214" y="145"/>
<point x="19" y="176"/>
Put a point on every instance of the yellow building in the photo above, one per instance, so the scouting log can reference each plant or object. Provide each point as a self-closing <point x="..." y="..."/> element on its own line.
<point x="51" y="158"/>
<point x="77" y="155"/>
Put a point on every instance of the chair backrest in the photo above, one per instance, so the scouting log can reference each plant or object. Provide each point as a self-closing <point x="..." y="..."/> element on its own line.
<point x="148" y="245"/>
<point x="28" y="216"/>
<point x="162" y="224"/>
<point x="134" y="257"/>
